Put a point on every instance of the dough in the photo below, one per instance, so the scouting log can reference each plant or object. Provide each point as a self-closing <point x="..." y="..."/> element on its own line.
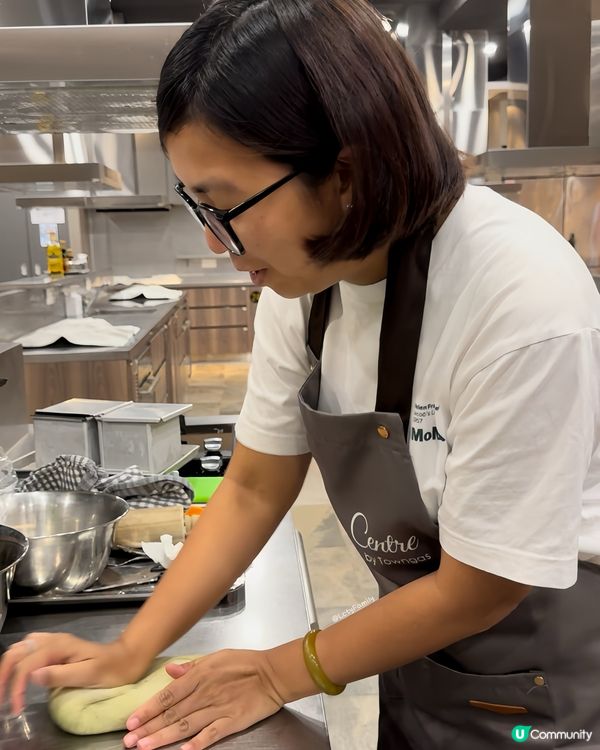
<point x="98" y="710"/>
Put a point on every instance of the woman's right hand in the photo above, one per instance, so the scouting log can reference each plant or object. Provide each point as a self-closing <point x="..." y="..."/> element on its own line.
<point x="62" y="660"/>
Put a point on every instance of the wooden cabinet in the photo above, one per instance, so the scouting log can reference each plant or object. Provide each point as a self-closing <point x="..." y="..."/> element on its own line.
<point x="218" y="296"/>
<point x="212" y="342"/>
<point x="156" y="370"/>
<point x="221" y="320"/>
<point x="52" y="382"/>
<point x="180" y="364"/>
<point x="219" y="317"/>
<point x="151" y="370"/>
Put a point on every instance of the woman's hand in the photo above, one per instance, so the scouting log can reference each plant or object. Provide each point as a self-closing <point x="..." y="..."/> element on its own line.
<point x="209" y="698"/>
<point x="62" y="660"/>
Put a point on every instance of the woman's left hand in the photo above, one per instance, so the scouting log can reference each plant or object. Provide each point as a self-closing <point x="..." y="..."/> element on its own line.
<point x="209" y="698"/>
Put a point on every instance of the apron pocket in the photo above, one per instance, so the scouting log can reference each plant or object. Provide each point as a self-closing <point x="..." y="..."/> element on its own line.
<point x="446" y="708"/>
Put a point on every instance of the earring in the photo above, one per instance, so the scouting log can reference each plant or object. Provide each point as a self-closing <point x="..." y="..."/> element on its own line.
<point x="349" y="206"/>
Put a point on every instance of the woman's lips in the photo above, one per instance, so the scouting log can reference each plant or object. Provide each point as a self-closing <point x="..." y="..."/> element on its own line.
<point x="257" y="277"/>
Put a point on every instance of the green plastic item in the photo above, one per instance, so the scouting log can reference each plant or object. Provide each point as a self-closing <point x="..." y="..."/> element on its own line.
<point x="204" y="487"/>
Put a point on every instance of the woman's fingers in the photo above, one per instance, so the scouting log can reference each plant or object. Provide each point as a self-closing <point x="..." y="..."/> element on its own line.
<point x="211" y="734"/>
<point x="13" y="655"/>
<point x="178" y="670"/>
<point x="177" y="715"/>
<point x="25" y="657"/>
<point x="62" y="660"/>
<point x="173" y="726"/>
<point x="167" y="698"/>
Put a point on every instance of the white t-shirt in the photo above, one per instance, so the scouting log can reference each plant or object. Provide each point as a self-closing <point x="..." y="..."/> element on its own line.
<point x="505" y="423"/>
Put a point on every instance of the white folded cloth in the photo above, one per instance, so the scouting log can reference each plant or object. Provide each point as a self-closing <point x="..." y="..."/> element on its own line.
<point x="149" y="291"/>
<point x="128" y="304"/>
<point x="80" y="331"/>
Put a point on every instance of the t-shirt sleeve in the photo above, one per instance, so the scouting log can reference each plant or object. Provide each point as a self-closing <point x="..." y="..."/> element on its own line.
<point x="270" y="420"/>
<point x="521" y="439"/>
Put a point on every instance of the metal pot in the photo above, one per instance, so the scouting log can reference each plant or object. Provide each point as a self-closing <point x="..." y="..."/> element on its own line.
<point x="70" y="536"/>
<point x="13" y="548"/>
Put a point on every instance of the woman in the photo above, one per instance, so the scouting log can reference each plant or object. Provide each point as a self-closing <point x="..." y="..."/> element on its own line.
<point x="433" y="346"/>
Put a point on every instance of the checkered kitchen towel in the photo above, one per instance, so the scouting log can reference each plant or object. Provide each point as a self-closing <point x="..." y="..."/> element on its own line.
<point x="78" y="473"/>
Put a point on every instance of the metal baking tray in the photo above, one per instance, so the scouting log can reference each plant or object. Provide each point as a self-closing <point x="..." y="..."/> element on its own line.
<point x="124" y="582"/>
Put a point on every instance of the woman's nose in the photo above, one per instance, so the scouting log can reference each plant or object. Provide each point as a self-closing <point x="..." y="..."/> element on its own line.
<point x="214" y="243"/>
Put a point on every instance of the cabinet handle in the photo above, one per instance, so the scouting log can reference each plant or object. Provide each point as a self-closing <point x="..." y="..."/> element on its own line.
<point x="149" y="386"/>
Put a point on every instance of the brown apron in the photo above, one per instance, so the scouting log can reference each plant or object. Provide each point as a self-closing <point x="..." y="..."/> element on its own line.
<point x="543" y="658"/>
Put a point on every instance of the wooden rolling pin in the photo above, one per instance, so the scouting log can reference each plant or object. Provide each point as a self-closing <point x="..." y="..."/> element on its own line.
<point x="148" y="524"/>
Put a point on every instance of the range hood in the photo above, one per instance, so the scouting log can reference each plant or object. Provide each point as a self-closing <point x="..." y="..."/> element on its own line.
<point x="545" y="111"/>
<point x="74" y="164"/>
<point x="85" y="81"/>
<point x="144" y="180"/>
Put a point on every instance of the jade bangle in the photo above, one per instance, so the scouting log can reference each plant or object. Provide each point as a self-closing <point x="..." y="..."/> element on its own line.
<point x="313" y="665"/>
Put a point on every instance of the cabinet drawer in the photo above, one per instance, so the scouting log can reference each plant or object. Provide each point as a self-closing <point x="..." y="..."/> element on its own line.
<point x="212" y="317"/>
<point x="218" y="296"/>
<point x="158" y="348"/>
<point x="210" y="341"/>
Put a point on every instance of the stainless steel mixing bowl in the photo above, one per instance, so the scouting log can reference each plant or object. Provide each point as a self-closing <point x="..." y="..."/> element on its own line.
<point x="70" y="536"/>
<point x="13" y="548"/>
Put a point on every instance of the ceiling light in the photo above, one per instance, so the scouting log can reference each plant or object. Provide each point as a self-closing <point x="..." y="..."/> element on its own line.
<point x="490" y="48"/>
<point x="402" y="30"/>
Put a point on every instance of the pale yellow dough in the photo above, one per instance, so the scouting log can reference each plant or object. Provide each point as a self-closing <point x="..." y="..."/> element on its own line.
<point x="99" y="710"/>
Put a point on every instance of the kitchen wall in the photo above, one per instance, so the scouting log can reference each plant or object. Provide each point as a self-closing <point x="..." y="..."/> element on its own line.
<point x="20" y="249"/>
<point x="135" y="243"/>
<point x="140" y="243"/>
<point x="14" y="244"/>
<point x="24" y="310"/>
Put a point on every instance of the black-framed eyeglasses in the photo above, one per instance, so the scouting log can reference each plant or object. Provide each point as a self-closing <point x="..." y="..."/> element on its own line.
<point x="219" y="221"/>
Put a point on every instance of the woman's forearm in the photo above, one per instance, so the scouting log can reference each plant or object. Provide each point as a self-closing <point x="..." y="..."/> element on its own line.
<point x="224" y="541"/>
<point x="417" y="619"/>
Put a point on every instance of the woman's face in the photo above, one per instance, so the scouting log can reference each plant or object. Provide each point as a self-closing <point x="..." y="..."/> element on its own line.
<point x="219" y="171"/>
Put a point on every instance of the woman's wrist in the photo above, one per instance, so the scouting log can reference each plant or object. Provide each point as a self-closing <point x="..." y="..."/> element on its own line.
<point x="138" y="657"/>
<point x="288" y="673"/>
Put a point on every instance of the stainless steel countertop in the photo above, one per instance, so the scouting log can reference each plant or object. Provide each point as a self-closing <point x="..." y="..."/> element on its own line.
<point x="146" y="320"/>
<point x="275" y="612"/>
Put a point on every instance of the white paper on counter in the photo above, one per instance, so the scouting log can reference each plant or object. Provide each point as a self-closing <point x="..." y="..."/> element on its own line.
<point x="149" y="291"/>
<point x="81" y="332"/>
<point x="163" y="552"/>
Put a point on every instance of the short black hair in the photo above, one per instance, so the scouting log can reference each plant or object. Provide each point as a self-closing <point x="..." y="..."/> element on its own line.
<point x="298" y="80"/>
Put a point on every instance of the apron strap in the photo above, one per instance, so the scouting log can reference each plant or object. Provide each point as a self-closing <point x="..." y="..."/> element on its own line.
<point x="408" y="267"/>
<point x="406" y="288"/>
<point x="317" y="322"/>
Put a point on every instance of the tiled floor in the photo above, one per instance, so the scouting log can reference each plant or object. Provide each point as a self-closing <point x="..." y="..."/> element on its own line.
<point x="339" y="577"/>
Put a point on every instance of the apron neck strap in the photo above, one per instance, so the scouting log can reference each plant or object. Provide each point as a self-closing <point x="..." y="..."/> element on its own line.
<point x="408" y="268"/>
<point x="317" y="322"/>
